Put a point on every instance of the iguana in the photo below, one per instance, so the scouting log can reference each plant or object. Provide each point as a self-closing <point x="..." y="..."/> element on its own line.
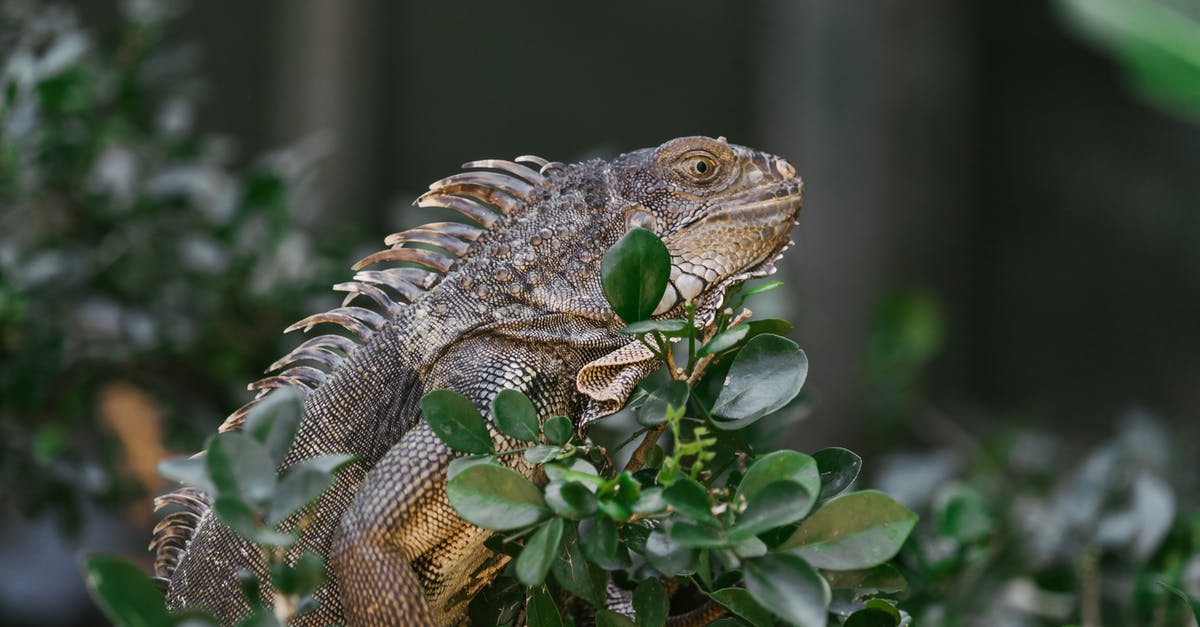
<point x="512" y="299"/>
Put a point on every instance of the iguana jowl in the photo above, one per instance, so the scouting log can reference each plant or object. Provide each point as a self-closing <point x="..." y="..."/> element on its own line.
<point x="513" y="301"/>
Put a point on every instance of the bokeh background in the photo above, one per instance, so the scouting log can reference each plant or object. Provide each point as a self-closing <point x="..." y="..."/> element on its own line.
<point x="998" y="258"/>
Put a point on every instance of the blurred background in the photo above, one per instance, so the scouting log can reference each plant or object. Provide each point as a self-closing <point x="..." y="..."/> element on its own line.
<point x="996" y="277"/>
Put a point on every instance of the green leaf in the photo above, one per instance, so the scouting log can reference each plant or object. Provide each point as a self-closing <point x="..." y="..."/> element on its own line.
<point x="301" y="578"/>
<point x="495" y="497"/>
<point x="126" y="595"/>
<point x="777" y="504"/>
<point x="775" y="326"/>
<point x="615" y="510"/>
<point x="669" y="328"/>
<point x="575" y="470"/>
<point x="542" y="453"/>
<point x="690" y="499"/>
<point x="515" y="415"/>
<point x="839" y="468"/>
<point x="766" y="375"/>
<point x="540" y="610"/>
<point x="877" y="613"/>
<point x="739" y="601"/>
<point x="275" y="421"/>
<point x="852" y="532"/>
<point x="960" y="513"/>
<point x="762" y="289"/>
<point x="577" y="574"/>
<point x="454" y="419"/>
<point x="558" y="430"/>
<point x="539" y="553"/>
<point x="1192" y="604"/>
<point x="688" y="534"/>
<point x="598" y="538"/>
<point x="459" y="464"/>
<point x="570" y="499"/>
<point x="650" y="502"/>
<point x="780" y="466"/>
<point x="634" y="274"/>
<point x="302" y="484"/>
<point x="628" y="488"/>
<point x="609" y="618"/>
<point x="724" y="340"/>
<point x="883" y="578"/>
<point x="667" y="557"/>
<point x="240" y="468"/>
<point x="750" y="547"/>
<point x="671" y="397"/>
<point x="188" y="470"/>
<point x="789" y="587"/>
<point x="650" y="603"/>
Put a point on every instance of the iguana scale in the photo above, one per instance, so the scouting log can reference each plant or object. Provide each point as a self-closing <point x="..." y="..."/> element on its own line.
<point x="512" y="299"/>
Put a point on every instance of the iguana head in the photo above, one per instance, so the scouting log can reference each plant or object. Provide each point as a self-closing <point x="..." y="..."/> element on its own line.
<point x="724" y="211"/>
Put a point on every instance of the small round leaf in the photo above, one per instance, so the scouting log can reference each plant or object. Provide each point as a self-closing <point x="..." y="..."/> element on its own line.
<point x="496" y="497"/>
<point x="454" y="419"/>
<point x="852" y="532"/>
<point x="539" y="553"/>
<point x="789" y="587"/>
<point x="515" y="415"/>
<point x="634" y="274"/>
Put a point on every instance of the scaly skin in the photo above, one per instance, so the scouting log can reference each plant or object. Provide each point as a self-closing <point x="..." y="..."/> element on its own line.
<point x="515" y="304"/>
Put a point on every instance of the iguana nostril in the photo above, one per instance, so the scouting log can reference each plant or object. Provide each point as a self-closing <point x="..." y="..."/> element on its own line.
<point x="785" y="168"/>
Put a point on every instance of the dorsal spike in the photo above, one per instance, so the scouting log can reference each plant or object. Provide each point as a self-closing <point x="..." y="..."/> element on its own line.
<point x="457" y="229"/>
<point x="423" y="235"/>
<point x="472" y="209"/>
<point x="305" y="374"/>
<point x="352" y="324"/>
<point x="377" y="296"/>
<point x="373" y="319"/>
<point x="267" y="384"/>
<point x="420" y="256"/>
<point x="550" y="167"/>
<point x="528" y="174"/>
<point x="338" y="342"/>
<point x="493" y="181"/>
<point x="534" y="159"/>
<point x="235" y="420"/>
<point x="399" y="279"/>
<point x="318" y="354"/>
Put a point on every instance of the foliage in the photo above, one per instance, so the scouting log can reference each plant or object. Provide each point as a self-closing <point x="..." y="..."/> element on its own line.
<point x="1007" y="537"/>
<point x="238" y="474"/>
<point x="1156" y="41"/>
<point x="767" y="535"/>
<point x="139" y="262"/>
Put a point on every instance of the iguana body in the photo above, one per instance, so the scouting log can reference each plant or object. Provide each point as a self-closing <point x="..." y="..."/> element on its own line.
<point x="515" y="302"/>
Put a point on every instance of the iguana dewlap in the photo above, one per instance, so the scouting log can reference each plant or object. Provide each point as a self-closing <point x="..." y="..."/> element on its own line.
<point x="512" y="299"/>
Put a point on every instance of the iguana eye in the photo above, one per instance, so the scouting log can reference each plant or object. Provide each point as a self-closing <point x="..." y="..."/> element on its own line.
<point x="701" y="168"/>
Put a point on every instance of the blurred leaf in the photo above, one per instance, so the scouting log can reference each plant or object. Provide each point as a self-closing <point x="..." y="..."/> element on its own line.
<point x="459" y="464"/>
<point x="634" y="274"/>
<point x="739" y="601"/>
<point x="671" y="396"/>
<point x="454" y="419"/>
<point x="651" y="501"/>
<point x="882" y="578"/>
<point x="275" y="420"/>
<point x="690" y="499"/>
<point x="539" y="553"/>
<point x="686" y="533"/>
<point x="598" y="538"/>
<point x="570" y="499"/>
<point x="668" y="557"/>
<point x="302" y="484"/>
<point x="609" y="618"/>
<point x="650" y="603"/>
<point x="769" y="286"/>
<point x="558" y="430"/>
<point x="669" y="328"/>
<point x="301" y="578"/>
<point x="788" y="586"/>
<point x="540" y="610"/>
<point x="1192" y="604"/>
<point x="515" y="415"/>
<point x="961" y="514"/>
<point x="577" y="574"/>
<point x="724" y="340"/>
<point x="853" y="531"/>
<point x="542" y="453"/>
<point x="839" y="468"/>
<point x="240" y="468"/>
<point x="127" y="595"/>
<point x="766" y="374"/>
<point x="495" y="497"/>
<point x="190" y="471"/>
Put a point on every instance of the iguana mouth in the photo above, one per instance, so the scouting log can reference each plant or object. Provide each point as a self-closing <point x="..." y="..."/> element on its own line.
<point x="757" y="225"/>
